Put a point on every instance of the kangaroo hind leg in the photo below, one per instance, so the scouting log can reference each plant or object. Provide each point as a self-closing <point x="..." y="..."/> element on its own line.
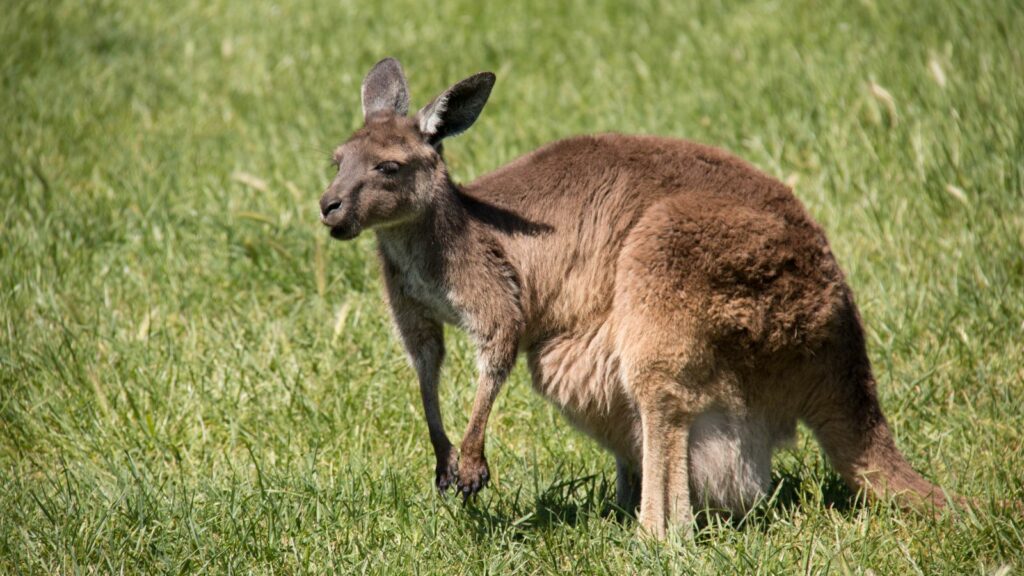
<point x="627" y="486"/>
<point x="665" y="489"/>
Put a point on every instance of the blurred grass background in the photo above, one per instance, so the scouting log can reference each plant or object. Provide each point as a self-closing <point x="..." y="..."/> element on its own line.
<point x="194" y="380"/>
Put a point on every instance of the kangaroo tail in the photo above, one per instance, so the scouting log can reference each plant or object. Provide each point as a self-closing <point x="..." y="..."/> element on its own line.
<point x="846" y="417"/>
<point x="855" y="435"/>
<point x="853" y="432"/>
<point x="882" y="471"/>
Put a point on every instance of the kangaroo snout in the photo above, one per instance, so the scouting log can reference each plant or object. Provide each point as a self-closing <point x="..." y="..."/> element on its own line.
<point x="330" y="208"/>
<point x="338" y="217"/>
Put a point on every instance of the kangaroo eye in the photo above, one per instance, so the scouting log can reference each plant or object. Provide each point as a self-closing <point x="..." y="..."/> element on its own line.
<point x="387" y="168"/>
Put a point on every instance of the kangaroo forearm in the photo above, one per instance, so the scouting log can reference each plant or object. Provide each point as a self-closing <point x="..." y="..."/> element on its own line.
<point x="486" y="393"/>
<point x="428" y="367"/>
<point x="495" y="358"/>
<point x="435" y="424"/>
<point x="424" y="341"/>
<point x="473" y="472"/>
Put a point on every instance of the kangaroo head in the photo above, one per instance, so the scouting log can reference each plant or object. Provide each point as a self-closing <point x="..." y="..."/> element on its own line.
<point x="391" y="170"/>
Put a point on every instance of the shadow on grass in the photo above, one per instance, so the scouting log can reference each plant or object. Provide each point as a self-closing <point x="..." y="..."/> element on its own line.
<point x="580" y="498"/>
<point x="565" y="502"/>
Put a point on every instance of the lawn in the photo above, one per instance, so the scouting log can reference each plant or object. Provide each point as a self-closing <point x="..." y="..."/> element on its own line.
<point x="195" y="379"/>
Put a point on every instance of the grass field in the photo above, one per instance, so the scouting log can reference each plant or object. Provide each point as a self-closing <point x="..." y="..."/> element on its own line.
<point x="194" y="379"/>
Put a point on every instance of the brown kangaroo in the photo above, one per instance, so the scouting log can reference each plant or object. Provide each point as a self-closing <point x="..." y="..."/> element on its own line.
<point x="678" y="305"/>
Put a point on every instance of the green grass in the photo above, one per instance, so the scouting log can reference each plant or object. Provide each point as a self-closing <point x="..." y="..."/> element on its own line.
<point x="194" y="379"/>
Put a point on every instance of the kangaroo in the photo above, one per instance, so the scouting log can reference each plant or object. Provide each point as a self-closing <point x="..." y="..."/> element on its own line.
<point x="675" y="303"/>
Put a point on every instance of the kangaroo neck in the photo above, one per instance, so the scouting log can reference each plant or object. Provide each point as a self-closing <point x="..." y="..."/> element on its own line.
<point x="425" y="245"/>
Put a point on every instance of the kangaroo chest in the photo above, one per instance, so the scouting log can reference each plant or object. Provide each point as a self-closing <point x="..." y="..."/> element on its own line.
<point x="412" y="274"/>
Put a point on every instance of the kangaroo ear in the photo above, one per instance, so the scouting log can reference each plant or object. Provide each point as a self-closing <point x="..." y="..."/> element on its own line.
<point x="456" y="108"/>
<point x="384" y="89"/>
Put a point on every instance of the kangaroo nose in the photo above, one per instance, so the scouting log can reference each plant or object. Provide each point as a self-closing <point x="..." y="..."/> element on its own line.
<point x="325" y="210"/>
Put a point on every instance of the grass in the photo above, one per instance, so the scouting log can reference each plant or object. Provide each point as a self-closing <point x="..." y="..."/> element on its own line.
<point x="194" y="380"/>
